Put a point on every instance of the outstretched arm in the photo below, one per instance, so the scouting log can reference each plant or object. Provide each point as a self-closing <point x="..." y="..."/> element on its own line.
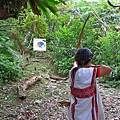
<point x="104" y="70"/>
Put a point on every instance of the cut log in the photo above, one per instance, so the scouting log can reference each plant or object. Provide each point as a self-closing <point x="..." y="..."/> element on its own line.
<point x="22" y="88"/>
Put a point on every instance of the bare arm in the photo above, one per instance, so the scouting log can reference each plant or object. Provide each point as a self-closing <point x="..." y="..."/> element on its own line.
<point x="104" y="70"/>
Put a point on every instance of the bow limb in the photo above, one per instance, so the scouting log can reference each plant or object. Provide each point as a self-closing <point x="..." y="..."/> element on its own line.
<point x="80" y="37"/>
<point x="113" y="5"/>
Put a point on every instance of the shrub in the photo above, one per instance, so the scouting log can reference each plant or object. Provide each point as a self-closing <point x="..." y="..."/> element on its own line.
<point x="9" y="59"/>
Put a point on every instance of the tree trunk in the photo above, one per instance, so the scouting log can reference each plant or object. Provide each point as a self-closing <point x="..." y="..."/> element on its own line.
<point x="4" y="14"/>
<point x="10" y="8"/>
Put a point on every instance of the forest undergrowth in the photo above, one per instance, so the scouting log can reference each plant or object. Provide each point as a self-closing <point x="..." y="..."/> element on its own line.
<point x="42" y="98"/>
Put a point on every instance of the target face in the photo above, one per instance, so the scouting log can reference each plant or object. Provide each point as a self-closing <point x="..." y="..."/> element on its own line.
<point x="39" y="44"/>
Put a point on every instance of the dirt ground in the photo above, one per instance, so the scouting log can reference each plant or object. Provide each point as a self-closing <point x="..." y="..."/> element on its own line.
<point x="42" y="98"/>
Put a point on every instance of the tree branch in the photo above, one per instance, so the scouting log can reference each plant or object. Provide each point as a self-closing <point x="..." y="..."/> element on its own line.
<point x="104" y="26"/>
<point x="8" y="25"/>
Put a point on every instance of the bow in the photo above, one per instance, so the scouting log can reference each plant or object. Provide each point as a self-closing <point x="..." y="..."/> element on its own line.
<point x="80" y="37"/>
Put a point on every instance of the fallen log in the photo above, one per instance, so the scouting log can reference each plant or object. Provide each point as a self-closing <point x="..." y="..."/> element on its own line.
<point x="58" y="78"/>
<point x="8" y="113"/>
<point x="64" y="103"/>
<point x="22" y="88"/>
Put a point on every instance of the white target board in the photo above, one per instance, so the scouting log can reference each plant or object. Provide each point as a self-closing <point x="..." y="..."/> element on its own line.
<point x="39" y="44"/>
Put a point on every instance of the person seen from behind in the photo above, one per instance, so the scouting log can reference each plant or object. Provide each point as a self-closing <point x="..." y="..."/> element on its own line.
<point x="85" y="99"/>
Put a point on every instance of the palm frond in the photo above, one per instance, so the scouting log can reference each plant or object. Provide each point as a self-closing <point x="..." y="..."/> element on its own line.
<point x="14" y="53"/>
<point x="39" y="6"/>
<point x="34" y="7"/>
<point x="62" y="1"/>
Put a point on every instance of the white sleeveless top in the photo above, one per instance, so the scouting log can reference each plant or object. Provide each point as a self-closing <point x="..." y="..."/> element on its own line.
<point x="90" y="108"/>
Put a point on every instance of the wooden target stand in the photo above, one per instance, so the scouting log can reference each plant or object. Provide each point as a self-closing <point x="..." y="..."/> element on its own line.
<point x="39" y="54"/>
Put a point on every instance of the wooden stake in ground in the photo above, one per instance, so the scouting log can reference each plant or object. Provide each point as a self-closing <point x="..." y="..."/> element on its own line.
<point x="22" y="88"/>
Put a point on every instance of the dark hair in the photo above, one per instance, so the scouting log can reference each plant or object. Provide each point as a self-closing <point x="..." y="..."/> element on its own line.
<point x="83" y="56"/>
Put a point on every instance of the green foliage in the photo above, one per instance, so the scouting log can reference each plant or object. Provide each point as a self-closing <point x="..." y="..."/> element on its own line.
<point x="7" y="25"/>
<point x="108" y="52"/>
<point x="65" y="30"/>
<point x="37" y="24"/>
<point x="64" y="66"/>
<point x="9" y="69"/>
<point x="110" y="83"/>
<point x="63" y="59"/>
